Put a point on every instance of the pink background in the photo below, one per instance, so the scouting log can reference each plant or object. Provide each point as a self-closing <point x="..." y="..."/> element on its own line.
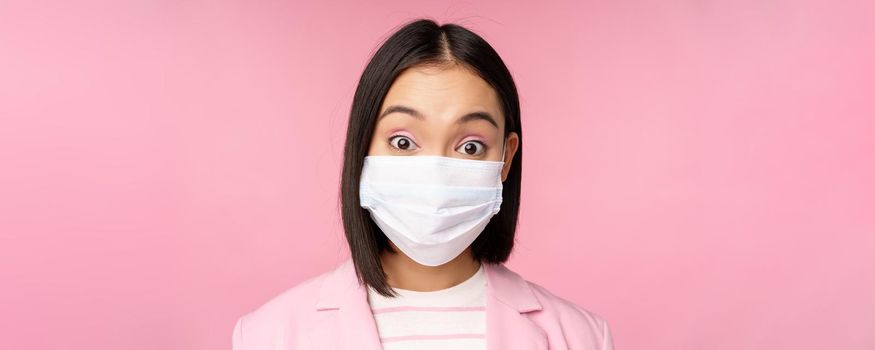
<point x="699" y="173"/>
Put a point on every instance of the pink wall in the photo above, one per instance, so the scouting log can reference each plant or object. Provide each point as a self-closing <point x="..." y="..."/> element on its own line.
<point x="699" y="173"/>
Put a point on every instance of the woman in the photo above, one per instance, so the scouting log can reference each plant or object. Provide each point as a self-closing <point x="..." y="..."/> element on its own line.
<point x="430" y="196"/>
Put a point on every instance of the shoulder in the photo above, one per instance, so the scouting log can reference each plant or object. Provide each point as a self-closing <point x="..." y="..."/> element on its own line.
<point x="565" y="309"/>
<point x="576" y="325"/>
<point x="282" y="312"/>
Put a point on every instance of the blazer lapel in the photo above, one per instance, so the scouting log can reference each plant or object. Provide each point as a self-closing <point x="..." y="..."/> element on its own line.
<point x="508" y="298"/>
<point x="342" y="293"/>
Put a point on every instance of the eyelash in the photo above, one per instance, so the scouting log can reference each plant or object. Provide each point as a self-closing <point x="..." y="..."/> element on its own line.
<point x="483" y="150"/>
<point x="393" y="137"/>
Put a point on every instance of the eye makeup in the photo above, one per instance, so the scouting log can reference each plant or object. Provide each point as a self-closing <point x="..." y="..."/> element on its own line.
<point x="479" y="138"/>
<point x="401" y="132"/>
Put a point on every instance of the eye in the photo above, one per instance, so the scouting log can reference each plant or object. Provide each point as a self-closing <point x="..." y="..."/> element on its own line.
<point x="400" y="142"/>
<point x="472" y="148"/>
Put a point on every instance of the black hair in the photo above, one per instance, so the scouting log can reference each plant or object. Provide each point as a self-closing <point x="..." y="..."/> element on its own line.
<point x="423" y="42"/>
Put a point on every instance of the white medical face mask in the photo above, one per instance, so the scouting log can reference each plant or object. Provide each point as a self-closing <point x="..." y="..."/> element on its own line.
<point x="431" y="207"/>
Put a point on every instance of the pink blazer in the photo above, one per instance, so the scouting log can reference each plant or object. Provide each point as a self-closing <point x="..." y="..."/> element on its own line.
<point x="331" y="311"/>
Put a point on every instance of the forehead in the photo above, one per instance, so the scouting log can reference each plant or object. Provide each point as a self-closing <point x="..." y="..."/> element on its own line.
<point x="444" y="92"/>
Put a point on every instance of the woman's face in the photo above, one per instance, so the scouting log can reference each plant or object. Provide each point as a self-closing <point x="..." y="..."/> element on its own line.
<point x="448" y="112"/>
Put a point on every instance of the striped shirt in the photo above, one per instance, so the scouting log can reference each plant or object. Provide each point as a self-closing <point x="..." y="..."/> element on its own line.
<point x="451" y="318"/>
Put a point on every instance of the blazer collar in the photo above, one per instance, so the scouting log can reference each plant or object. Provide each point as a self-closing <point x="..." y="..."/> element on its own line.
<point x="508" y="298"/>
<point x="341" y="286"/>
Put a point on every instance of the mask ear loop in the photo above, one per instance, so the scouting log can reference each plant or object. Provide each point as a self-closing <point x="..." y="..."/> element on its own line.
<point x="497" y="206"/>
<point x="503" y="149"/>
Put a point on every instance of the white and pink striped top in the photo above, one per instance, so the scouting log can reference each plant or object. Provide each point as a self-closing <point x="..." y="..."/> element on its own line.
<point x="452" y="318"/>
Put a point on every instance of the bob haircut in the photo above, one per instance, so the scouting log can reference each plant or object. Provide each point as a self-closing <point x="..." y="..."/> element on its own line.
<point x="423" y="43"/>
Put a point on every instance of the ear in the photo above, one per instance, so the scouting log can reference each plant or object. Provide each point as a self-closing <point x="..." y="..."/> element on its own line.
<point x="510" y="148"/>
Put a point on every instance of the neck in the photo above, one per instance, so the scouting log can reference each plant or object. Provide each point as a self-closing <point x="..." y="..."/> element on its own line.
<point x="405" y="273"/>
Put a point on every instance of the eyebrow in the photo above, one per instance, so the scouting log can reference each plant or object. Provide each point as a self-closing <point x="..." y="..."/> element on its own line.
<point x="416" y="114"/>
